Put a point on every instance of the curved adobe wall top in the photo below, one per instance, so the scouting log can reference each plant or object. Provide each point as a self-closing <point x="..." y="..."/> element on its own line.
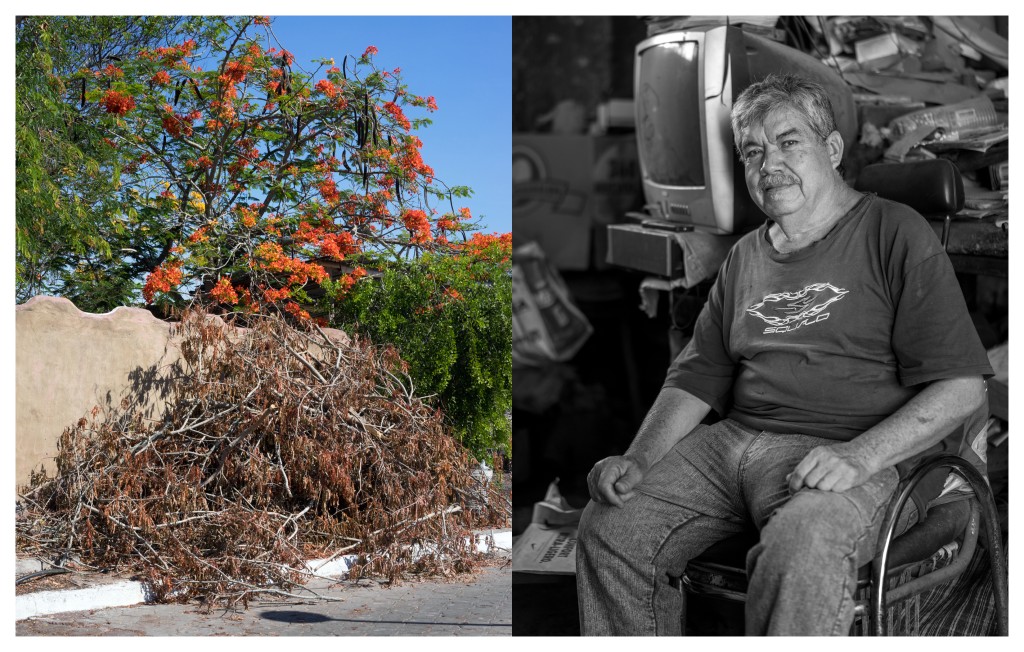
<point x="69" y="361"/>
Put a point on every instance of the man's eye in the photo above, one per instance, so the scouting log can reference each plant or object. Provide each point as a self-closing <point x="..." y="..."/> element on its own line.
<point x="788" y="143"/>
<point x="751" y="154"/>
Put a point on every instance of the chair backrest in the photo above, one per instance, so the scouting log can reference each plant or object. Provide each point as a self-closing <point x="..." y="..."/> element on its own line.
<point x="932" y="187"/>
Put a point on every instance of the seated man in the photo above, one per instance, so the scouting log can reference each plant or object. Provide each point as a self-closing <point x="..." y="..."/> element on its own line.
<point x="837" y="344"/>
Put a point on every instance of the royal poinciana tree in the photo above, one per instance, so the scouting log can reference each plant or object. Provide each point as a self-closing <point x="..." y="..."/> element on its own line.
<point x="248" y="173"/>
<point x="235" y="176"/>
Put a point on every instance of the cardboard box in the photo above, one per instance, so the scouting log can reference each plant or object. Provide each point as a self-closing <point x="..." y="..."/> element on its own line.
<point x="567" y="189"/>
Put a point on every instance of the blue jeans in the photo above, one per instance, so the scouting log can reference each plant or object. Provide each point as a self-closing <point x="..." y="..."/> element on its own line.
<point x="711" y="485"/>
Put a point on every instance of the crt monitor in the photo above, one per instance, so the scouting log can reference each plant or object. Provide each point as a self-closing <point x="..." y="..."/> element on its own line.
<point x="685" y="83"/>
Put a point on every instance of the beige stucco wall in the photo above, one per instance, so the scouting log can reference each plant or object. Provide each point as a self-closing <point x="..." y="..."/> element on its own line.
<point x="69" y="362"/>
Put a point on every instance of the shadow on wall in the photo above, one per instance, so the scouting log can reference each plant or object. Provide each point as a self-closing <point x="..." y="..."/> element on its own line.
<point x="72" y="364"/>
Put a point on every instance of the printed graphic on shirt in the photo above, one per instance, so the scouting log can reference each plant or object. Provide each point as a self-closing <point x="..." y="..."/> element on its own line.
<point x="788" y="311"/>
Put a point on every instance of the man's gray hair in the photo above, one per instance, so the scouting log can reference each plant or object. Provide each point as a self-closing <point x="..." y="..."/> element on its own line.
<point x="758" y="100"/>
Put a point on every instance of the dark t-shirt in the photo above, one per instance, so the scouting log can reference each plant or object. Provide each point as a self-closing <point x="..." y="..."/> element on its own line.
<point x="833" y="338"/>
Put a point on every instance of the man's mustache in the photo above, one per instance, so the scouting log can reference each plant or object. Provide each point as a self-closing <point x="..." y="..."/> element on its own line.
<point x="773" y="180"/>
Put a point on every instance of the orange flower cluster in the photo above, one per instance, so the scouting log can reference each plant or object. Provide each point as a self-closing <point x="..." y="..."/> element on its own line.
<point x="370" y="50"/>
<point x="272" y="296"/>
<point x="261" y="20"/>
<point x="296" y="311"/>
<point x="329" y="191"/>
<point x="326" y="87"/>
<point x="223" y="110"/>
<point x="223" y="291"/>
<point x="493" y="247"/>
<point x="173" y="56"/>
<point x="418" y="224"/>
<point x="111" y="71"/>
<point x="270" y="256"/>
<point x="177" y="124"/>
<point x="348" y="280"/>
<point x="162" y="78"/>
<point x="162" y="279"/>
<point x="412" y="161"/>
<point x="117" y="103"/>
<point x="199" y="235"/>
<point x="249" y="214"/>
<point x="332" y="244"/>
<point x="397" y="115"/>
<point x="236" y="71"/>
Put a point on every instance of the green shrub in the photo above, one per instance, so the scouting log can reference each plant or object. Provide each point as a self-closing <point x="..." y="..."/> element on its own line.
<point x="451" y="319"/>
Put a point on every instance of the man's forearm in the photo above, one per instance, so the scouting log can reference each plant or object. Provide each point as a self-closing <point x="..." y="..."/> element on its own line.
<point x="920" y="423"/>
<point x="674" y="414"/>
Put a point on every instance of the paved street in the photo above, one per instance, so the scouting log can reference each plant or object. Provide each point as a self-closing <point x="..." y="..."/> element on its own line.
<point x="481" y="606"/>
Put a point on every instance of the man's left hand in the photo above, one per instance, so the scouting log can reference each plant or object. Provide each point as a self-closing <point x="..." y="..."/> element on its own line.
<point x="830" y="468"/>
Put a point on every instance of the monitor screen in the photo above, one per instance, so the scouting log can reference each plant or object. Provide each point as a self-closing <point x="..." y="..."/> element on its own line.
<point x="669" y="113"/>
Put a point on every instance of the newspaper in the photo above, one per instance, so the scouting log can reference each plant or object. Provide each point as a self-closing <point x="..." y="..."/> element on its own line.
<point x="548" y="545"/>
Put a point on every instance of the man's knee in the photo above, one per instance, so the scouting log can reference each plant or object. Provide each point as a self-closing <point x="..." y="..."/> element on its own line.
<point x="599" y="526"/>
<point x="813" y="524"/>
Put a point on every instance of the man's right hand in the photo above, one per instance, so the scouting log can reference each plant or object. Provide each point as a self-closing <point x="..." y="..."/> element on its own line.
<point x="612" y="480"/>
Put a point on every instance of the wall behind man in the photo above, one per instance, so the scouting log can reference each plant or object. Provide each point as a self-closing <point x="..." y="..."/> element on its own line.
<point x="587" y="59"/>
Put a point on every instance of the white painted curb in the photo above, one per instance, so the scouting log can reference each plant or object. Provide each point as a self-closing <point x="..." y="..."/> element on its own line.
<point x="127" y="593"/>
<point x="340" y="566"/>
<point x="42" y="603"/>
<point x="502" y="541"/>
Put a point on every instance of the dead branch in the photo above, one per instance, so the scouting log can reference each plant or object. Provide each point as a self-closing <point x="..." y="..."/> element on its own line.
<point x="279" y="446"/>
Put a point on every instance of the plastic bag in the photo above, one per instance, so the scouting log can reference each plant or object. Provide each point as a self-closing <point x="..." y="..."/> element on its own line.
<point x="546" y="325"/>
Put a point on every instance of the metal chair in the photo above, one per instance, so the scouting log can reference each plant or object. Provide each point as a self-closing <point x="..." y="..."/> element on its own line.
<point x="934" y="551"/>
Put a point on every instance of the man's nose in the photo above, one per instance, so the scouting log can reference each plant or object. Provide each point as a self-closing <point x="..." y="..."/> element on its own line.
<point x="772" y="161"/>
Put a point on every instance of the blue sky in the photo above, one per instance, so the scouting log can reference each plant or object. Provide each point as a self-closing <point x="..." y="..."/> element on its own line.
<point x="464" y="62"/>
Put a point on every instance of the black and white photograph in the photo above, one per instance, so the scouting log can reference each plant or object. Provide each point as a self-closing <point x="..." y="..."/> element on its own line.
<point x="760" y="325"/>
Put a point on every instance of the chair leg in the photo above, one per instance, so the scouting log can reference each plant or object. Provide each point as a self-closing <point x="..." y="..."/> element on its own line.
<point x="990" y="517"/>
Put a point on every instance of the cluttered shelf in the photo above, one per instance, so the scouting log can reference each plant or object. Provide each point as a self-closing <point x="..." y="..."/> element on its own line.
<point x="978" y="246"/>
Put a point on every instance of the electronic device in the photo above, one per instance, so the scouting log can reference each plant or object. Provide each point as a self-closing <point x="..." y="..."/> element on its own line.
<point x="685" y="83"/>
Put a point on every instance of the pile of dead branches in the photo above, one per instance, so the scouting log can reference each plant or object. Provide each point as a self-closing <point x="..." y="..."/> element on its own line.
<point x="279" y="446"/>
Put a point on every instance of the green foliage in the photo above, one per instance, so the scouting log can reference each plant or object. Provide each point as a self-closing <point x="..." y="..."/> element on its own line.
<point x="70" y="238"/>
<point x="451" y="319"/>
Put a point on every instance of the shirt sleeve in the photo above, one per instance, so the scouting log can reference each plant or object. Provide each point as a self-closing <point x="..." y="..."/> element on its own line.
<point x="705" y="367"/>
<point x="933" y="335"/>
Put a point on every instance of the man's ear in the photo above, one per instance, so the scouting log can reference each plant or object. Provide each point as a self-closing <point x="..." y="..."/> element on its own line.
<point x="835" y="145"/>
